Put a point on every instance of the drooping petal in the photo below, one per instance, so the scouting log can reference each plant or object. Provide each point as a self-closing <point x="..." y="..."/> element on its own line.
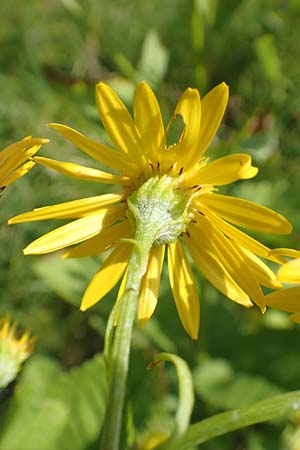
<point x="261" y="271"/>
<point x="184" y="289"/>
<point x="150" y="285"/>
<point x="213" y="106"/>
<point x="82" y="172"/>
<point x="241" y="238"/>
<point x="247" y="214"/>
<point x="107" y="276"/>
<point x="97" y="244"/>
<point x="99" y="152"/>
<point x="228" y="253"/>
<point x="215" y="272"/>
<point x="285" y="299"/>
<point x="148" y="121"/>
<point x="69" y="210"/>
<point x="119" y="124"/>
<point x="290" y="272"/>
<point x="222" y="171"/>
<point x="70" y="234"/>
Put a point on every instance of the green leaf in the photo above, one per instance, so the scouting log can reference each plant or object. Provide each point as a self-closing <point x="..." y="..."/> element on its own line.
<point x="272" y="408"/>
<point x="56" y="410"/>
<point x="66" y="277"/>
<point x="186" y="391"/>
<point x="221" y="387"/>
<point x="154" y="60"/>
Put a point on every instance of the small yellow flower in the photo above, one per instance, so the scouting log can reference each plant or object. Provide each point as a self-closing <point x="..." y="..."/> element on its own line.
<point x="228" y="258"/>
<point x="14" y="159"/>
<point x="14" y="350"/>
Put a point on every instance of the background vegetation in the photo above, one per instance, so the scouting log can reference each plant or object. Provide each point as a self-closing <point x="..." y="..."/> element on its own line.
<point x="52" y="54"/>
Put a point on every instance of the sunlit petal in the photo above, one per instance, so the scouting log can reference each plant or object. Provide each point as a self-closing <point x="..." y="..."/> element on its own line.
<point x="72" y="233"/>
<point x="289" y="252"/>
<point x="82" y="172"/>
<point x="241" y="238"/>
<point x="213" y="269"/>
<point x="106" y="238"/>
<point x="285" y="299"/>
<point x="18" y="173"/>
<point x="213" y="106"/>
<point x="261" y="271"/>
<point x="290" y="272"/>
<point x="150" y="285"/>
<point x="119" y="124"/>
<point x="69" y="210"/>
<point x="222" y="171"/>
<point x="148" y="121"/>
<point x="184" y="289"/>
<point x="247" y="214"/>
<point x="107" y="276"/>
<point x="228" y="253"/>
<point x="99" y="152"/>
<point x="189" y="108"/>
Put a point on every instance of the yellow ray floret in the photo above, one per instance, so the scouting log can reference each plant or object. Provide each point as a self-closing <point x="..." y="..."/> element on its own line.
<point x="150" y="285"/>
<point x="184" y="289"/>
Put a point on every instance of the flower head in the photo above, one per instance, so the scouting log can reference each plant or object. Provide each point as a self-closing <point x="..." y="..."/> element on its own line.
<point x="175" y="183"/>
<point x="15" y="159"/>
<point x="14" y="350"/>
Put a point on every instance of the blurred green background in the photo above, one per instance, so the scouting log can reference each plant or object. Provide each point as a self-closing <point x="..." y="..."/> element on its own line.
<point x="52" y="54"/>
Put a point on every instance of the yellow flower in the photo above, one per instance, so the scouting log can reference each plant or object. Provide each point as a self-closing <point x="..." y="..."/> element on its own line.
<point x="228" y="258"/>
<point x="14" y="350"/>
<point x="14" y="159"/>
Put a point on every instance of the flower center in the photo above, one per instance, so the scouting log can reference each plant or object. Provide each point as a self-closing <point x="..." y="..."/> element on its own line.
<point x="158" y="210"/>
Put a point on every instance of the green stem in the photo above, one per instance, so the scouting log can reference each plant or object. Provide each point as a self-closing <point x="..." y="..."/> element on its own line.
<point x="119" y="359"/>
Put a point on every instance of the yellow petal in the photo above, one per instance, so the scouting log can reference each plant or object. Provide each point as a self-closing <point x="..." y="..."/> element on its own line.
<point x="215" y="272"/>
<point x="213" y="106"/>
<point x="72" y="233"/>
<point x="189" y="108"/>
<point x="119" y="124"/>
<point x="285" y="299"/>
<point x="69" y="210"/>
<point x="241" y="238"/>
<point x="184" y="289"/>
<point x="8" y="167"/>
<point x="222" y="171"/>
<point x="247" y="214"/>
<point x="20" y="146"/>
<point x="99" y="152"/>
<point x="290" y="272"/>
<point x="261" y="271"/>
<point x="107" y="277"/>
<point x="81" y="172"/>
<point x="148" y="121"/>
<point x="232" y="259"/>
<point x="18" y="173"/>
<point x="97" y="244"/>
<point x="289" y="252"/>
<point x="150" y="285"/>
